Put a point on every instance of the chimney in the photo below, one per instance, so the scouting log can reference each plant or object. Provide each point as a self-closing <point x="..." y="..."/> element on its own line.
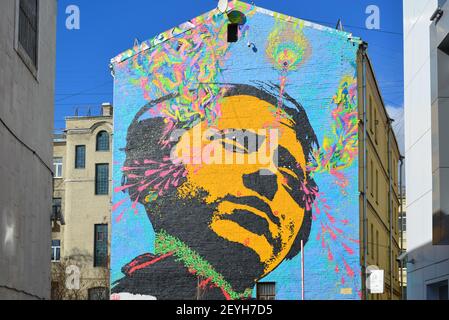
<point x="107" y="109"/>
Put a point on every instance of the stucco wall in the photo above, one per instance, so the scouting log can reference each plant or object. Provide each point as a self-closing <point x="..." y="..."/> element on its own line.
<point x="26" y="106"/>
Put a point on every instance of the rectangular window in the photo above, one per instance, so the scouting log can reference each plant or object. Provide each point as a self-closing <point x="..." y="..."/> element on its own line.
<point x="102" y="179"/>
<point x="233" y="32"/>
<point x="377" y="247"/>
<point x="394" y="222"/>
<point x="371" y="120"/>
<point x="57" y="205"/>
<point x="80" y="157"/>
<point x="372" y="241"/>
<point x="372" y="177"/>
<point x="266" y="291"/>
<point x="28" y="29"/>
<point x="101" y="245"/>
<point x="57" y="167"/>
<point x="56" y="250"/>
<point x="438" y="291"/>
<point x="375" y="125"/>
<point x="377" y="187"/>
<point x="403" y="220"/>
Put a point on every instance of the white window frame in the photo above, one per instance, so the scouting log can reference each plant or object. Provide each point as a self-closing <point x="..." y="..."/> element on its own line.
<point x="58" y="167"/>
<point x="54" y="250"/>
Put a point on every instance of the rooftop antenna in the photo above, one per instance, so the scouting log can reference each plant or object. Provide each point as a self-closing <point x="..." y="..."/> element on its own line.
<point x="223" y="6"/>
<point x="339" y="25"/>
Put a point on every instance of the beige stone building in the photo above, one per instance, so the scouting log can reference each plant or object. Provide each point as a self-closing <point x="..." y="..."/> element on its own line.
<point x="379" y="162"/>
<point x="81" y="207"/>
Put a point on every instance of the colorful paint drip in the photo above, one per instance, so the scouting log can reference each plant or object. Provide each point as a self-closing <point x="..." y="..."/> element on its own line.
<point x="340" y="146"/>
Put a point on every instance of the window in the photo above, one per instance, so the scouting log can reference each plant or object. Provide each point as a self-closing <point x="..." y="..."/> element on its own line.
<point x="56" y="250"/>
<point x="375" y="125"/>
<point x="99" y="293"/>
<point x="56" y="210"/>
<point x="233" y="32"/>
<point x="396" y="268"/>
<point x="101" y="245"/>
<point x="394" y="224"/>
<point x="372" y="241"/>
<point x="28" y="30"/>
<point x="372" y="177"/>
<point x="371" y="120"/>
<point x="102" y="141"/>
<point x="80" y="157"/>
<point x="57" y="167"/>
<point x="102" y="179"/>
<point x="377" y="186"/>
<point x="438" y="291"/>
<point x="403" y="220"/>
<point x="377" y="247"/>
<point x="266" y="291"/>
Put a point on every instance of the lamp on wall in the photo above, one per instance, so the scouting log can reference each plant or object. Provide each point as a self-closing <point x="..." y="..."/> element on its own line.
<point x="436" y="16"/>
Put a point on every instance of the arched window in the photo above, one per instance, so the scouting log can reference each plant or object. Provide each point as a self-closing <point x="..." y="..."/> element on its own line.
<point x="102" y="141"/>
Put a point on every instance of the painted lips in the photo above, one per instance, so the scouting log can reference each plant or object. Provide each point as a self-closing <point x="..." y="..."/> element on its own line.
<point x="249" y="220"/>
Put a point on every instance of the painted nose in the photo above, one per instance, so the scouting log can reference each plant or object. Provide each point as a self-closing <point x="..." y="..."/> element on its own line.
<point x="264" y="182"/>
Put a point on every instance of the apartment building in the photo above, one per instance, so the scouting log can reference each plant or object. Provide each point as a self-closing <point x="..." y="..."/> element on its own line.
<point x="81" y="206"/>
<point x="380" y="233"/>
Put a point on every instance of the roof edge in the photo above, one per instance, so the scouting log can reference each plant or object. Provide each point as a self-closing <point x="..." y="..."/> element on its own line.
<point x="191" y="24"/>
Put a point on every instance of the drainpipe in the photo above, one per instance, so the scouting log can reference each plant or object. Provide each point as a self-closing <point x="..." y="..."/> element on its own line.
<point x="363" y="48"/>
<point x="390" y="209"/>
<point x="401" y="196"/>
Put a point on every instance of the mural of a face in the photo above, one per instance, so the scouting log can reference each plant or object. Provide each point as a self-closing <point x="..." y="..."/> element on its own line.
<point x="221" y="226"/>
<point x="255" y="206"/>
<point x="243" y="218"/>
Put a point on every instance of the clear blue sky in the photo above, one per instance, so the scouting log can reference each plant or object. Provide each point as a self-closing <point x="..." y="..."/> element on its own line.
<point x="109" y="27"/>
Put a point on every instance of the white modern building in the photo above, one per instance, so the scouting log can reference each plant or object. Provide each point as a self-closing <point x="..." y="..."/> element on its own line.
<point x="426" y="45"/>
<point x="27" y="74"/>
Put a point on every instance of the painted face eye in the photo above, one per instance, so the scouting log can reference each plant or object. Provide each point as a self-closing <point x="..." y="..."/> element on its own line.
<point x="238" y="141"/>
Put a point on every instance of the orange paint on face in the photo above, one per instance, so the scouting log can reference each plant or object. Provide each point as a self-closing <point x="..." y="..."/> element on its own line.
<point x="220" y="180"/>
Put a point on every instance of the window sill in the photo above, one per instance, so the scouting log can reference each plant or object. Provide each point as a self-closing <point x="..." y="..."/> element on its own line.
<point x="27" y="61"/>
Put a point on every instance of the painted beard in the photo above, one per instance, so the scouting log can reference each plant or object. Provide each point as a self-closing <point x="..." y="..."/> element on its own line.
<point x="189" y="220"/>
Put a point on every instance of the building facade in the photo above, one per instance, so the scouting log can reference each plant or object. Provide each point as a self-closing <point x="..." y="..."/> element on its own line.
<point x="81" y="206"/>
<point x="426" y="26"/>
<point x="200" y="211"/>
<point x="27" y="73"/>
<point x="380" y="235"/>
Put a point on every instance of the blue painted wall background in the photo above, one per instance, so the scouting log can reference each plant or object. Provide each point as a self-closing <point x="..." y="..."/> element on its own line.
<point x="313" y="84"/>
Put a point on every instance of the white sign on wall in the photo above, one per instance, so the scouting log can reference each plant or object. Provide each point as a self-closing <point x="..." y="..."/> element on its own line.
<point x="376" y="281"/>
